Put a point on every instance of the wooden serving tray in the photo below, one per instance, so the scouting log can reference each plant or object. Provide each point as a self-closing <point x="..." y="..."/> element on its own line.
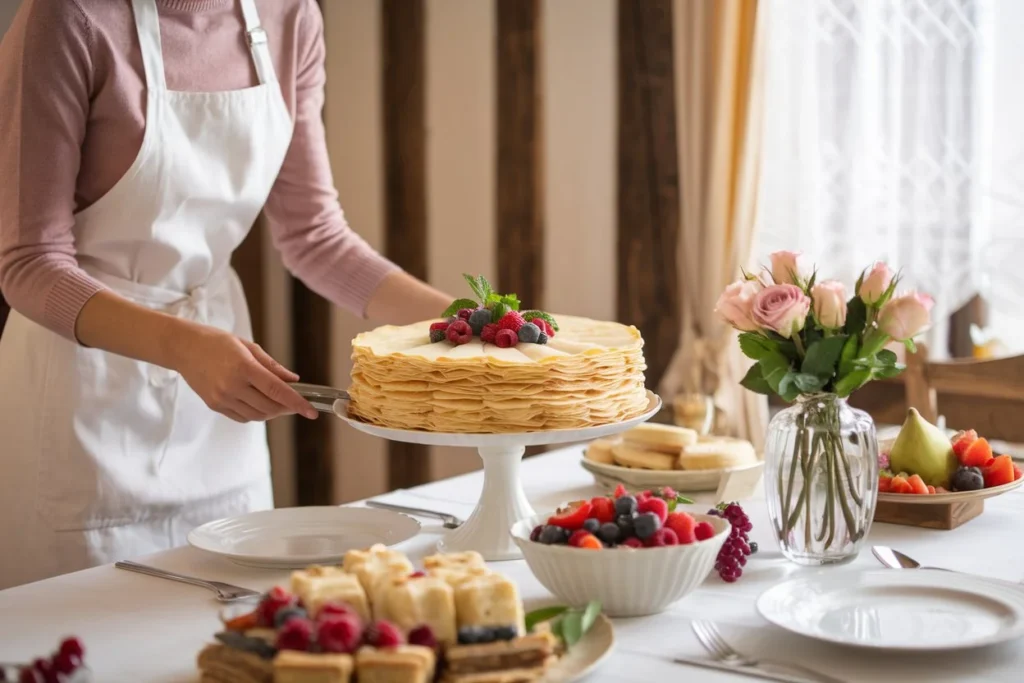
<point x="937" y="510"/>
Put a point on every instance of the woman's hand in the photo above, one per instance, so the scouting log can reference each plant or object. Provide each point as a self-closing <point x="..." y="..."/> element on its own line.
<point x="237" y="378"/>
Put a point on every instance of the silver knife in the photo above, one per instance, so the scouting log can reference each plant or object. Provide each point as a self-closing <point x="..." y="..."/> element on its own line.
<point x="321" y="397"/>
<point x="740" y="670"/>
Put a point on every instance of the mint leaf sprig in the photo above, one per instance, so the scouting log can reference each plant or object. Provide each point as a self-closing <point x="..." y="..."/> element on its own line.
<point x="498" y="304"/>
<point x="567" y="623"/>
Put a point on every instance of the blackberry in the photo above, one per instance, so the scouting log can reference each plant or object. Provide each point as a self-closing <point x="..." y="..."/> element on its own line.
<point x="437" y="336"/>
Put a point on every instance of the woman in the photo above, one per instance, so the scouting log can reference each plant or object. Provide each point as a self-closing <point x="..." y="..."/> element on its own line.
<point x="139" y="139"/>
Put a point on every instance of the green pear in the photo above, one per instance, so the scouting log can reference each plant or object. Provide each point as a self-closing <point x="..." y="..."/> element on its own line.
<point x="923" y="449"/>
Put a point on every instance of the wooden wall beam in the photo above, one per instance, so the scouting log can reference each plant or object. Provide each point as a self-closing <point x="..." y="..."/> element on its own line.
<point x="403" y="52"/>
<point x="520" y="205"/>
<point x="648" y="180"/>
<point x="314" y="454"/>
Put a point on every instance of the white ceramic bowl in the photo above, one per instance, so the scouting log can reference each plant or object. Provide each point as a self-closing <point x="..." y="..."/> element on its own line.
<point x="628" y="582"/>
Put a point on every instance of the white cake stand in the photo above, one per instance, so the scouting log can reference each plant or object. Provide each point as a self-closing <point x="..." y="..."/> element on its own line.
<point x="502" y="501"/>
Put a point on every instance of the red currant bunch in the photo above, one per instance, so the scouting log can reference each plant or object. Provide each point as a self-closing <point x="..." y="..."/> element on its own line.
<point x="733" y="555"/>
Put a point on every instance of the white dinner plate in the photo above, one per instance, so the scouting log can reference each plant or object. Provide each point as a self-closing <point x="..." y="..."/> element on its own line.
<point x="582" y="658"/>
<point x="684" y="481"/>
<point x="897" y="609"/>
<point x="294" y="538"/>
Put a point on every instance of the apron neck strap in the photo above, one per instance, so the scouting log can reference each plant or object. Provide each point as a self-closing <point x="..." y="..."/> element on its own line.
<point x="147" y="24"/>
<point x="256" y="37"/>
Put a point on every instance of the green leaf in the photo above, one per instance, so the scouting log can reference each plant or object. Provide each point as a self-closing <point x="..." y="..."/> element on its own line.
<point x="498" y="311"/>
<point x="531" y="314"/>
<point x="572" y="627"/>
<point x="814" y="278"/>
<point x="678" y="500"/>
<point x="543" y="614"/>
<point x="807" y="383"/>
<point x="788" y="389"/>
<point x="856" y="316"/>
<point x="510" y="300"/>
<point x="774" y="367"/>
<point x="888" y="371"/>
<point x="485" y="287"/>
<point x="822" y="357"/>
<point x="851" y="382"/>
<point x="474" y="284"/>
<point x="754" y="381"/>
<point x="590" y="615"/>
<point x="909" y="345"/>
<point x="457" y="305"/>
<point x="856" y="287"/>
<point x="889" y="291"/>
<point x="811" y="333"/>
<point x="886" y="357"/>
<point x="754" y="345"/>
<point x="847" y="356"/>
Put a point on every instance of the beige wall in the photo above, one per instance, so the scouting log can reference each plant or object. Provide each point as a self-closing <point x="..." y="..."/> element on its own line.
<point x="578" y="64"/>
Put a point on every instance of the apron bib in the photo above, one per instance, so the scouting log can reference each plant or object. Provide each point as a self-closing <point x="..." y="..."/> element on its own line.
<point x="104" y="457"/>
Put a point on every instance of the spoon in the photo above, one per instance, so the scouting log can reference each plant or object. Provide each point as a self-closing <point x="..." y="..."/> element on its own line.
<point x="894" y="559"/>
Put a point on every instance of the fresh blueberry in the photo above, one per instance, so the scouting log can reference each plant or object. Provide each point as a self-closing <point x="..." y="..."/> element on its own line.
<point x="505" y="632"/>
<point x="625" y="524"/>
<point x="470" y="635"/>
<point x="437" y="335"/>
<point x="646" y="524"/>
<point x="552" y="535"/>
<point x="286" y="613"/>
<point x="609" y="533"/>
<point x="542" y="338"/>
<point x="478" y="319"/>
<point x="626" y="505"/>
<point x="592" y="525"/>
<point x="753" y="547"/>
<point x="529" y="333"/>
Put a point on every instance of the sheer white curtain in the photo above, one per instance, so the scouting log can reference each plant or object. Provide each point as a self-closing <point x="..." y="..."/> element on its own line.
<point x="875" y="140"/>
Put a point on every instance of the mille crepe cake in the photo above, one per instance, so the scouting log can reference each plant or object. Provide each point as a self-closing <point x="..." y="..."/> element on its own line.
<point x="492" y="379"/>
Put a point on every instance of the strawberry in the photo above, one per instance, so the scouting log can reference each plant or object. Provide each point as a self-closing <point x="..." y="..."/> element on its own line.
<point x="899" y="484"/>
<point x="632" y="542"/>
<point x="976" y="454"/>
<point x="602" y="509"/>
<point x="703" y="531"/>
<point x="511" y="321"/>
<point x="931" y="489"/>
<point x="917" y="484"/>
<point x="1016" y="473"/>
<point x="655" y="505"/>
<point x="683" y="525"/>
<point x="884" y="484"/>
<point x="620" y="491"/>
<point x="544" y="326"/>
<point x="573" y="517"/>
<point x="961" y="441"/>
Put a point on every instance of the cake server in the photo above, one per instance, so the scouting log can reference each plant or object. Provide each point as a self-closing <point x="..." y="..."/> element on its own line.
<point x="320" y="397"/>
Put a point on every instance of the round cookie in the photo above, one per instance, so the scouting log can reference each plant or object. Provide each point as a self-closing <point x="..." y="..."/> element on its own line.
<point x="658" y="437"/>
<point x="600" y="451"/>
<point x="628" y="455"/>
<point x="717" y="452"/>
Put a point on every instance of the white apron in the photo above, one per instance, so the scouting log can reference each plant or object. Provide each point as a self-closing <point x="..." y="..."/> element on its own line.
<point x="103" y="457"/>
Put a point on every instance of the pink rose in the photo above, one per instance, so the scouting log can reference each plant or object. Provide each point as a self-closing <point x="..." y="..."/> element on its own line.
<point x="782" y="308"/>
<point x="875" y="282"/>
<point x="735" y="303"/>
<point x="904" y="316"/>
<point x="789" y="266"/>
<point x="830" y="303"/>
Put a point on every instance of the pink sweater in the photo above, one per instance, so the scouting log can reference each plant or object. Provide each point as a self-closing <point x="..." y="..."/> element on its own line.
<point x="72" y="89"/>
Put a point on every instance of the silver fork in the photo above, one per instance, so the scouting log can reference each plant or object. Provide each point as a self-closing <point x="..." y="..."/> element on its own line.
<point x="448" y="521"/>
<point x="225" y="591"/>
<point x="711" y="638"/>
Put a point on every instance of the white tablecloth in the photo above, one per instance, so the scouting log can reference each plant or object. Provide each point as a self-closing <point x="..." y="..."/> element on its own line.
<point x="137" y="628"/>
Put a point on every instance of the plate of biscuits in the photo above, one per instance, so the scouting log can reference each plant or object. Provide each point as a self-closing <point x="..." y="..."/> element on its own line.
<point x="652" y="455"/>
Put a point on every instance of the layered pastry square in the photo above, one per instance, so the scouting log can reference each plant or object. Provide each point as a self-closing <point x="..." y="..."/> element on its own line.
<point x="403" y="664"/>
<point x="412" y="601"/>
<point x="291" y="666"/>
<point x="521" y="659"/>
<point x="317" y="586"/>
<point x="456" y="576"/>
<point x="464" y="560"/>
<point x="376" y="561"/>
<point x="489" y="600"/>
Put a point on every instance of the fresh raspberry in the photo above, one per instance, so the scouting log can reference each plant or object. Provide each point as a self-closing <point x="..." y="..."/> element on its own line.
<point x="65" y="663"/>
<point x="669" y="493"/>
<point x="544" y="326"/>
<point x="72" y="646"/>
<point x="277" y="598"/>
<point x="655" y="505"/>
<point x="632" y="542"/>
<point x="506" y="338"/>
<point x="577" y="537"/>
<point x="339" y="633"/>
<point x="683" y="524"/>
<point x="488" y="333"/>
<point x="336" y="609"/>
<point x="295" y="634"/>
<point x="423" y="636"/>
<point x="383" y="634"/>
<point x="703" y="531"/>
<point x="31" y="675"/>
<point x="465" y="313"/>
<point x="662" y="537"/>
<point x="602" y="509"/>
<point x="417" y="575"/>
<point x="511" y="321"/>
<point x="443" y="326"/>
<point x="620" y="491"/>
<point x="459" y="332"/>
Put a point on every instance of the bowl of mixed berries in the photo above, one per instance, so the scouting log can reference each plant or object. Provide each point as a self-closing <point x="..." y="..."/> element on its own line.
<point x="650" y="555"/>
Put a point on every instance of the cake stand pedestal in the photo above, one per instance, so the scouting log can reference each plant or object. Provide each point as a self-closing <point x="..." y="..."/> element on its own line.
<point x="502" y="500"/>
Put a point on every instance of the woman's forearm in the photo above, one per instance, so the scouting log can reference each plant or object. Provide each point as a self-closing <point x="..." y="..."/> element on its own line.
<point x="110" y="322"/>
<point x="402" y="299"/>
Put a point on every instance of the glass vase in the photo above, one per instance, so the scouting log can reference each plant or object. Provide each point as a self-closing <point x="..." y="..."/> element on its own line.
<point x="821" y="479"/>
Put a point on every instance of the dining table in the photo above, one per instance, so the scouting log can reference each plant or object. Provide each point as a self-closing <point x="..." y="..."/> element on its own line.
<point x="137" y="628"/>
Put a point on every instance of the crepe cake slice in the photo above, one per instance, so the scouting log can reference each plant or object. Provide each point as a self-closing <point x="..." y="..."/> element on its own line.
<point x="378" y="560"/>
<point x="291" y="666"/>
<point x="402" y="664"/>
<point x="409" y="602"/>
<point x="316" y="586"/>
<point x="220" y="663"/>
<point x="505" y="661"/>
